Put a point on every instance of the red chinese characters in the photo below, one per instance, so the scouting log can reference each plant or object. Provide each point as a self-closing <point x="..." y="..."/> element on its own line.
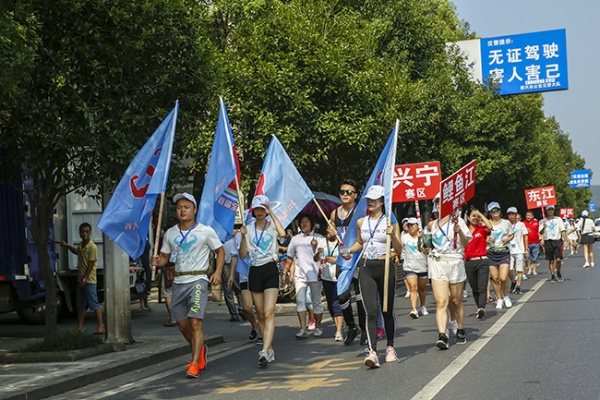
<point x="416" y="181"/>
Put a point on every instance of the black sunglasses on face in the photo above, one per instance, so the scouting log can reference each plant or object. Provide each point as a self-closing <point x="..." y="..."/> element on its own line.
<point x="346" y="192"/>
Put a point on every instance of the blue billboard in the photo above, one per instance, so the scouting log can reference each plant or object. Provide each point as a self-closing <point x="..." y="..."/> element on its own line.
<point x="527" y="62"/>
<point x="580" y="178"/>
<point x="592" y="206"/>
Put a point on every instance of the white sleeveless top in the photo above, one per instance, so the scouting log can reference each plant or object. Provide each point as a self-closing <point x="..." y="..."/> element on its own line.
<point x="372" y="233"/>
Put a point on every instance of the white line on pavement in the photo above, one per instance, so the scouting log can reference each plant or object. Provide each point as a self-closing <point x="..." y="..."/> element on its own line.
<point x="438" y="383"/>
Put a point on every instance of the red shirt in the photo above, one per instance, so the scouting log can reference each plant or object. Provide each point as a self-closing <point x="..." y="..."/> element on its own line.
<point x="477" y="247"/>
<point x="533" y="227"/>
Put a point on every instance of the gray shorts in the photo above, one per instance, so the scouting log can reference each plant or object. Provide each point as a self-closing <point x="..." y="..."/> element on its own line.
<point x="189" y="300"/>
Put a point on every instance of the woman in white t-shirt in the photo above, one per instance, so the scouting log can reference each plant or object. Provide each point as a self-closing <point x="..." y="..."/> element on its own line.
<point x="260" y="244"/>
<point x="414" y="266"/>
<point x="499" y="254"/>
<point x="586" y="227"/>
<point x="573" y="236"/>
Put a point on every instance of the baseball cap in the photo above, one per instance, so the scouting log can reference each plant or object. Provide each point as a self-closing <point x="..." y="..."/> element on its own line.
<point x="412" y="220"/>
<point x="584" y="213"/>
<point x="375" y="192"/>
<point x="549" y="207"/>
<point x="512" y="210"/>
<point x="492" y="205"/>
<point x="437" y="197"/>
<point x="186" y="196"/>
<point x="258" y="201"/>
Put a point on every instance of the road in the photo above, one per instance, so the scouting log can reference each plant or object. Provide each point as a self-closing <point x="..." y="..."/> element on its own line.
<point x="544" y="347"/>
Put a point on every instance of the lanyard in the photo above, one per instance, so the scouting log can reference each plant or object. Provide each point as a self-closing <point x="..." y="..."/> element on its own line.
<point x="186" y="235"/>
<point x="372" y="232"/>
<point x="261" y="233"/>
<point x="343" y="220"/>
<point x="329" y="250"/>
<point x="447" y="227"/>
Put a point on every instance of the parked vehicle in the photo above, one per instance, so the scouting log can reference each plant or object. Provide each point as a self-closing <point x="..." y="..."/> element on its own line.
<point x="596" y="233"/>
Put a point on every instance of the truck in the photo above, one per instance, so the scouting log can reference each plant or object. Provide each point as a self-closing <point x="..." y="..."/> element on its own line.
<point x="21" y="283"/>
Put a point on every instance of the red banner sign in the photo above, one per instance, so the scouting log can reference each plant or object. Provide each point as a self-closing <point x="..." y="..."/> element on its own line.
<point x="457" y="189"/>
<point x="540" y="197"/>
<point x="566" y="213"/>
<point x="416" y="181"/>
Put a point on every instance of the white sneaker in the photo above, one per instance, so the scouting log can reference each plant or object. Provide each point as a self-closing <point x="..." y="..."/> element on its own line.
<point x="586" y="265"/>
<point x="339" y="337"/>
<point x="302" y="334"/>
<point x="414" y="314"/>
<point x="318" y="332"/>
<point x="424" y="311"/>
<point x="407" y="295"/>
<point x="453" y="328"/>
<point x="465" y="294"/>
<point x="371" y="360"/>
<point x="499" y="304"/>
<point x="263" y="358"/>
<point x="592" y="263"/>
<point x="529" y="273"/>
<point x="390" y="355"/>
<point x="270" y="355"/>
<point x="507" y="302"/>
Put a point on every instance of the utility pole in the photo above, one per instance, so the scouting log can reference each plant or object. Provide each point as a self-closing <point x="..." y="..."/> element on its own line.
<point x="117" y="298"/>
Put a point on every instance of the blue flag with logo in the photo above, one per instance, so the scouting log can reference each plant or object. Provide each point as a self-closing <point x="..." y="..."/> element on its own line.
<point x="281" y="182"/>
<point x="126" y="218"/>
<point x="382" y="175"/>
<point x="219" y="202"/>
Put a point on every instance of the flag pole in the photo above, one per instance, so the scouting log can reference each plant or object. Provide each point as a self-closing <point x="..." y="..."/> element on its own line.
<point x="239" y="210"/>
<point x="328" y="220"/>
<point x="388" y="238"/>
<point x="158" y="224"/>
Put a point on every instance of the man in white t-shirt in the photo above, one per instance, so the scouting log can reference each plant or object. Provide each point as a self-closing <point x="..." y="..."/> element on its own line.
<point x="519" y="247"/>
<point x="192" y="243"/>
<point x="553" y="235"/>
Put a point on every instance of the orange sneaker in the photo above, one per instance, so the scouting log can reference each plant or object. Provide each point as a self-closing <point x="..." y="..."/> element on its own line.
<point x="192" y="371"/>
<point x="203" y="358"/>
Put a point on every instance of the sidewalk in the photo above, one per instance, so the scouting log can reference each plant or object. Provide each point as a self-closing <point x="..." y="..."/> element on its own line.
<point x="154" y="344"/>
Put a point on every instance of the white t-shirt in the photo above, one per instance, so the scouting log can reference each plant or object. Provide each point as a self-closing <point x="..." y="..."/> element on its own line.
<point x="237" y="240"/>
<point x="302" y="252"/>
<point x="572" y="230"/>
<point x="193" y="249"/>
<point x="500" y="231"/>
<point x="517" y="246"/>
<point x="374" y="236"/>
<point x="443" y="239"/>
<point x="554" y="227"/>
<point x="262" y="244"/>
<point x="330" y="249"/>
<point x="586" y="225"/>
<point x="414" y="260"/>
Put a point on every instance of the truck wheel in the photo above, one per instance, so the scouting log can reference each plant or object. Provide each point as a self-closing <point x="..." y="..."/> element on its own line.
<point x="29" y="317"/>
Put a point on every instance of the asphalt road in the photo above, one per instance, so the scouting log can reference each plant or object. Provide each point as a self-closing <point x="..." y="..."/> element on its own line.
<point x="545" y="347"/>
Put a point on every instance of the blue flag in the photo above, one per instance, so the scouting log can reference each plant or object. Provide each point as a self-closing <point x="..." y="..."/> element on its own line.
<point x="281" y="182"/>
<point x="126" y="218"/>
<point x="219" y="202"/>
<point x="382" y="175"/>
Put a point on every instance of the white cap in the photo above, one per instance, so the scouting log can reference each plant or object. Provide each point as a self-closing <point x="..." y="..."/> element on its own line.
<point x="584" y="213"/>
<point x="258" y="201"/>
<point x="375" y="192"/>
<point x="549" y="207"/>
<point x="412" y="220"/>
<point x="492" y="205"/>
<point x="512" y="210"/>
<point x="437" y="196"/>
<point x="186" y="196"/>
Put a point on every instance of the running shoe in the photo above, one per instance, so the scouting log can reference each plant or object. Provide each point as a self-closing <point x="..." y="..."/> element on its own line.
<point x="465" y="294"/>
<point x="461" y="336"/>
<point x="302" y="334"/>
<point x="407" y="295"/>
<point x="592" y="264"/>
<point x="192" y="371"/>
<point x="259" y="341"/>
<point x="263" y="358"/>
<point x="390" y="355"/>
<point x="512" y="286"/>
<point x="442" y="342"/>
<point x="529" y="273"/>
<point x="353" y="331"/>
<point x="371" y="360"/>
<point x="525" y="277"/>
<point x="203" y="357"/>
<point x="480" y="313"/>
<point x="499" y="304"/>
<point x="253" y="335"/>
<point x="507" y="302"/>
<point x="424" y="311"/>
<point x="270" y="355"/>
<point x="586" y="265"/>
<point x="490" y="299"/>
<point x="559" y="277"/>
<point x="380" y="333"/>
<point x="338" y="337"/>
<point x="414" y="314"/>
<point x="453" y="327"/>
<point x="311" y="326"/>
<point x="518" y="290"/>
<point x="552" y="279"/>
<point x="318" y="332"/>
<point x="534" y="273"/>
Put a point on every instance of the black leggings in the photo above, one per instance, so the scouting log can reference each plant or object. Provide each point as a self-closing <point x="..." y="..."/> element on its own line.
<point x="371" y="281"/>
<point x="346" y="306"/>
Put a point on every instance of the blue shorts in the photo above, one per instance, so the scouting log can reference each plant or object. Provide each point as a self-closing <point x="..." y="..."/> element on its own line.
<point x="534" y="252"/>
<point x="189" y="300"/>
<point x="87" y="297"/>
<point x="420" y="275"/>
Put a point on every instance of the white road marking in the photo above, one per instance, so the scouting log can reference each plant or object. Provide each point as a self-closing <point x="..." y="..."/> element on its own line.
<point x="438" y="383"/>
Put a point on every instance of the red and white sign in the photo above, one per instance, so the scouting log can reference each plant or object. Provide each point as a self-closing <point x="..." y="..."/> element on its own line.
<point x="566" y="213"/>
<point x="540" y="197"/>
<point x="457" y="189"/>
<point x="416" y="181"/>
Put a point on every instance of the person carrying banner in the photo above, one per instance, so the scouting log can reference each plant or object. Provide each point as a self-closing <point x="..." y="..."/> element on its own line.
<point x="341" y="218"/>
<point x="373" y="231"/>
<point x="533" y="237"/>
<point x="260" y="243"/>
<point x="450" y="236"/>
<point x="553" y="235"/>
<point x="192" y="242"/>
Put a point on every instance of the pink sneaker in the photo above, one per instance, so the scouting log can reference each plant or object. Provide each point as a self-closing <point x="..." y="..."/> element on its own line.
<point x="311" y="326"/>
<point x="380" y="333"/>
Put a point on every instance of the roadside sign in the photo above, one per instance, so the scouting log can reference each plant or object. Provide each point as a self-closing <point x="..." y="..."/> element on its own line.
<point x="416" y="181"/>
<point x="540" y="197"/>
<point x="457" y="189"/>
<point x="566" y="213"/>
<point x="580" y="178"/>
<point x="592" y="206"/>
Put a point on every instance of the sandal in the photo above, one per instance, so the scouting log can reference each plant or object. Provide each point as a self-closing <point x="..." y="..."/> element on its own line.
<point x="170" y="323"/>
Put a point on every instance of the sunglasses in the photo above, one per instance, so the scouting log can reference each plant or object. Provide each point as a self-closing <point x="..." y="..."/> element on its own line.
<point x="495" y="209"/>
<point x="347" y="192"/>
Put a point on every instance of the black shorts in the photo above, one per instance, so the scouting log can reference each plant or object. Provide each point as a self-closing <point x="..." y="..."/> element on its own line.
<point x="587" y="238"/>
<point x="263" y="277"/>
<point x="553" y="249"/>
<point x="243" y="285"/>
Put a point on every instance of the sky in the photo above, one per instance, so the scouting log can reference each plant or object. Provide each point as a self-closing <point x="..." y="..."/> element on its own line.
<point x="578" y="108"/>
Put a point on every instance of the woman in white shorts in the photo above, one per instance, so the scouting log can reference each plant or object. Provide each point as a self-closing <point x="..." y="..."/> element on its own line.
<point x="447" y="272"/>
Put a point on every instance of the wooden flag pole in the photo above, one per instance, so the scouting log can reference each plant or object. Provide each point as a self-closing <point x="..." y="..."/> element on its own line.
<point x="158" y="224"/>
<point x="328" y="221"/>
